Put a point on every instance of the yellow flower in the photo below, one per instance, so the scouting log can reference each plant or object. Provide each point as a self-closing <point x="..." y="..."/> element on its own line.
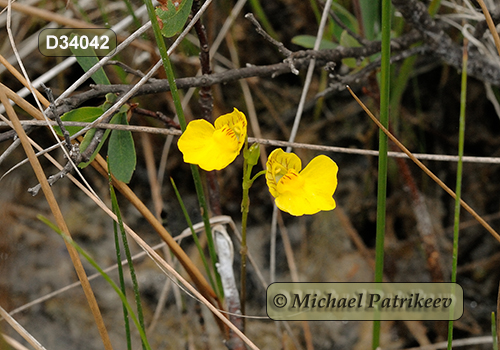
<point x="301" y="192"/>
<point x="214" y="148"/>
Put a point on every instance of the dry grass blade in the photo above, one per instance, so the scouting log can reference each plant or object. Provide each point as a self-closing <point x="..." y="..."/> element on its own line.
<point x="100" y="165"/>
<point x="14" y="343"/>
<point x="23" y="81"/>
<point x="181" y="255"/>
<point x="425" y="169"/>
<point x="161" y="263"/>
<point x="193" y="271"/>
<point x="456" y="343"/>
<point x="49" y="195"/>
<point x="170" y="271"/>
<point x="23" y="332"/>
<point x="491" y="24"/>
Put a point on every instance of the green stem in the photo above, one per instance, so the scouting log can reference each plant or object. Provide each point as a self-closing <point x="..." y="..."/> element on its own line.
<point x="193" y="232"/>
<point x="250" y="158"/>
<point x="383" y="145"/>
<point x="182" y="121"/>
<point x="458" y="189"/>
<point x="166" y="64"/>
<point x="434" y="7"/>
<point x="494" y="331"/>
<point x="262" y="172"/>
<point x="122" y="283"/>
<point x="208" y="229"/>
<point x="133" y="277"/>
<point x="103" y="274"/>
<point x="245" y="204"/>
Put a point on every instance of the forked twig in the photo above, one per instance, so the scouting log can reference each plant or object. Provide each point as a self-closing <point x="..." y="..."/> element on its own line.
<point x="281" y="47"/>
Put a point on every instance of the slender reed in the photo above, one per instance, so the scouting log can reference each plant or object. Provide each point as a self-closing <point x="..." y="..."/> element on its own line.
<point x="494" y="334"/>
<point x="133" y="276"/>
<point x="383" y="148"/>
<point x="182" y="121"/>
<point x="458" y="188"/>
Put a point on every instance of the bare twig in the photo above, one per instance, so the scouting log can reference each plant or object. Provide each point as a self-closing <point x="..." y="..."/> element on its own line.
<point x="52" y="179"/>
<point x="442" y="46"/>
<point x="278" y="143"/>
<point x="206" y="99"/>
<point x="341" y="24"/>
<point x="126" y="68"/>
<point x="281" y="47"/>
<point x="298" y="60"/>
<point x="158" y="115"/>
<point x="50" y="97"/>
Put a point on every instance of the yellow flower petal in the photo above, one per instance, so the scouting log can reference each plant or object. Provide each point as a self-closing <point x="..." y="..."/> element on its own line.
<point x="320" y="181"/>
<point x="278" y="164"/>
<point x="301" y="193"/>
<point x="211" y="149"/>
<point x="237" y="122"/>
<point x="296" y="203"/>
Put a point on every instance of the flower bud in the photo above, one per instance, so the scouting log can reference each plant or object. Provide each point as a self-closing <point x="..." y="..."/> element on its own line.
<point x="253" y="154"/>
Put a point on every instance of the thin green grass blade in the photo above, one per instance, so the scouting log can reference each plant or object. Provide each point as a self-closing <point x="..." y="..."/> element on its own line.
<point x="494" y="331"/>
<point x="131" y="12"/>
<point x="434" y="7"/>
<point x="400" y="82"/>
<point x="116" y="210"/>
<point x="458" y="189"/>
<point x="193" y="232"/>
<point x="383" y="147"/>
<point x="370" y="13"/>
<point x="103" y="274"/>
<point x="104" y="14"/>
<point x="182" y="122"/>
<point x="121" y="279"/>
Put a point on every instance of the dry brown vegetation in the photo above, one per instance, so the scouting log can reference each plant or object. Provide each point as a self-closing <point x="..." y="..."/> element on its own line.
<point x="37" y="277"/>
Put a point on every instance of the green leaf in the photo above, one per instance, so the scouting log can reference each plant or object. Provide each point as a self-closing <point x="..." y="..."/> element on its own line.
<point x="121" y="151"/>
<point x="308" y="41"/>
<point x="172" y="17"/>
<point x="82" y="114"/>
<point x="346" y="17"/>
<point x="87" y="59"/>
<point x="370" y="12"/>
<point x="86" y="141"/>
<point x="347" y="40"/>
<point x="110" y="98"/>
